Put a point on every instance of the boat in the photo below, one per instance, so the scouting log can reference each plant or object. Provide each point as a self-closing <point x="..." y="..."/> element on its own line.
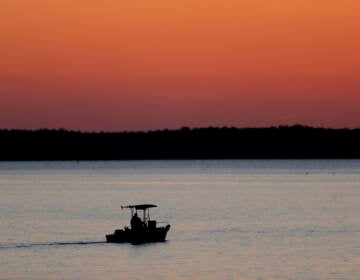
<point x="141" y="230"/>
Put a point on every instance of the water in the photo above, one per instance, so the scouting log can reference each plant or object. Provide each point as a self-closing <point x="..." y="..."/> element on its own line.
<point x="246" y="219"/>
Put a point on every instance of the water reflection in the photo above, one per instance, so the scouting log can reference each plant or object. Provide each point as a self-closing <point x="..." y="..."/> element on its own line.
<point x="230" y="220"/>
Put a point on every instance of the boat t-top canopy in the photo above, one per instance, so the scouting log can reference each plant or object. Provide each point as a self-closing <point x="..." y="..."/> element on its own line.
<point x="139" y="206"/>
<point x="143" y="207"/>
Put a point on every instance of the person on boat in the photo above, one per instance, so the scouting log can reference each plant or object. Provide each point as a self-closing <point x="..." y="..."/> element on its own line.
<point x="136" y="222"/>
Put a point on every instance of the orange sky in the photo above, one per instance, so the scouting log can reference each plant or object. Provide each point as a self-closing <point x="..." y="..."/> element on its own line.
<point x="138" y="65"/>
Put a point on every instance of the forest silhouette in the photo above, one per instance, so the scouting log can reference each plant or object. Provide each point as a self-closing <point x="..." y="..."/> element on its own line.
<point x="283" y="142"/>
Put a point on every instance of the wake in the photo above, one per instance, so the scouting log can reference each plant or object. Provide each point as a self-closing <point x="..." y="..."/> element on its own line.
<point x="29" y="245"/>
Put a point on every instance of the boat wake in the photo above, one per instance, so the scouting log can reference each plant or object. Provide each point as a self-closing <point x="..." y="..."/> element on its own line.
<point x="28" y="245"/>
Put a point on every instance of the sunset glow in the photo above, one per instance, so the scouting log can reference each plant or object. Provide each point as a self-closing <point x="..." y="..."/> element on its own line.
<point x="140" y="65"/>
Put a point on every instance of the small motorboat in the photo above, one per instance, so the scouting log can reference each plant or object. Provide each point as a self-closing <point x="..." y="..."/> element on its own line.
<point x="141" y="230"/>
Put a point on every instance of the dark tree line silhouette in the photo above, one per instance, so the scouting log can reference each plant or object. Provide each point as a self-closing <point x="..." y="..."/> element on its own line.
<point x="283" y="142"/>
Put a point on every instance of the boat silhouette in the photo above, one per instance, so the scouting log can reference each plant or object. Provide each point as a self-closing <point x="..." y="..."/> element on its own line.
<point x="141" y="230"/>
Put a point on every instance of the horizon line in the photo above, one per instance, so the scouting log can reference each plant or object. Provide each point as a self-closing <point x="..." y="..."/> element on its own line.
<point x="184" y="127"/>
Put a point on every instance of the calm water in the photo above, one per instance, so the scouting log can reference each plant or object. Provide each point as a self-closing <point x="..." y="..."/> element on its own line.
<point x="230" y="219"/>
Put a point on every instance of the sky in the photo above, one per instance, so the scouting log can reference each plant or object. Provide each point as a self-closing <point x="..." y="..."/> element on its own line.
<point x="116" y="65"/>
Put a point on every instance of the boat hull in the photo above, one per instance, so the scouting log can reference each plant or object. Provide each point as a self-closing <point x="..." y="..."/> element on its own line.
<point x="140" y="236"/>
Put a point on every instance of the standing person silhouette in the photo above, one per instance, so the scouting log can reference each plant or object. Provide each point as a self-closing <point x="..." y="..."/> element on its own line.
<point x="135" y="222"/>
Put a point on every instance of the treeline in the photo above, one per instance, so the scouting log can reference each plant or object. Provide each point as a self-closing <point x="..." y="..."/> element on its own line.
<point x="284" y="142"/>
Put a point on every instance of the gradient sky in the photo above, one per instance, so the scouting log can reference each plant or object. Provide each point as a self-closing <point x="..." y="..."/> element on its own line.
<point x="115" y="65"/>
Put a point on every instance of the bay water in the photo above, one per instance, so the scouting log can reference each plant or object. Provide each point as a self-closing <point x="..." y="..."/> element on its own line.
<point x="230" y="219"/>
